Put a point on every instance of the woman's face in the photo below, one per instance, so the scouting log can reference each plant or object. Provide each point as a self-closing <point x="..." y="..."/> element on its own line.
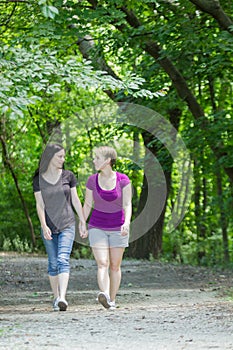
<point x="100" y="161"/>
<point x="58" y="159"/>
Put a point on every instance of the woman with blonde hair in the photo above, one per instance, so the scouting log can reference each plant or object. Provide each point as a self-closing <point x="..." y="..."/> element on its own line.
<point x="109" y="223"/>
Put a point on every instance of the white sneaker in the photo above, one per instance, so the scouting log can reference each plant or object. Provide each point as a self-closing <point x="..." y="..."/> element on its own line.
<point x="112" y="305"/>
<point x="104" y="300"/>
<point x="62" y="304"/>
<point x="55" y="305"/>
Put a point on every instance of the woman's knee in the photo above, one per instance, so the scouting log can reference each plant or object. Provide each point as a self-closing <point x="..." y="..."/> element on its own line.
<point x="115" y="267"/>
<point x="53" y="267"/>
<point x="63" y="263"/>
<point x="103" y="264"/>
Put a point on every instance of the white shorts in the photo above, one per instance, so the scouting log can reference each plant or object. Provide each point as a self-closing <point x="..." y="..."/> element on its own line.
<point x="107" y="239"/>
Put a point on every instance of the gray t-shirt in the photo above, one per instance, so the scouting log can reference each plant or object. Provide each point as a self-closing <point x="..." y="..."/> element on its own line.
<point x="59" y="213"/>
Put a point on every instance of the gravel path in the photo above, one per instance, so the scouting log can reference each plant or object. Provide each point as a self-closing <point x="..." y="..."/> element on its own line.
<point x="160" y="306"/>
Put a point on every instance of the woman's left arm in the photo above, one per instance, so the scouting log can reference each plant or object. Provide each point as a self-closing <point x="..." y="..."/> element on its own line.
<point x="78" y="208"/>
<point x="127" y="207"/>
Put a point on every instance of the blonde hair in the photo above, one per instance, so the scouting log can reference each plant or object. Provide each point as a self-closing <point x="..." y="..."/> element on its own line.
<point x="107" y="152"/>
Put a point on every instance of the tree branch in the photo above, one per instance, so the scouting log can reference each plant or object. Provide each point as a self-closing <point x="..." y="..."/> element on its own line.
<point x="179" y="82"/>
<point x="213" y="8"/>
<point x="87" y="44"/>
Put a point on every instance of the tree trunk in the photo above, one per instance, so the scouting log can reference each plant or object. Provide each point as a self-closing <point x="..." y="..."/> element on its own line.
<point x="223" y="218"/>
<point x="151" y="243"/>
<point x="222" y="210"/>
<point x="10" y="167"/>
<point x="199" y="211"/>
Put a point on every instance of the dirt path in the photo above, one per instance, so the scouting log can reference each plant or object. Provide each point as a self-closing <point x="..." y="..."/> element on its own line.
<point x="162" y="307"/>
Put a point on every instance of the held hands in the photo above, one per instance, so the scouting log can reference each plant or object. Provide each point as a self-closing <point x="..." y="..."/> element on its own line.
<point x="83" y="230"/>
<point x="124" y="229"/>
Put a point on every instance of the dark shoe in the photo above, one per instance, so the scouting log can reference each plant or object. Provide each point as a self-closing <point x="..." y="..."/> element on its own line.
<point x="104" y="300"/>
<point x="62" y="304"/>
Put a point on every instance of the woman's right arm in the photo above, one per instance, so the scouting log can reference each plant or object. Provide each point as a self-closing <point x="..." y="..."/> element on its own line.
<point x="40" y="207"/>
<point x="87" y="203"/>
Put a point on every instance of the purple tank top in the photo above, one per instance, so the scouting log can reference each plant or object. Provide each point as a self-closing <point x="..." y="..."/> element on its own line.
<point x="108" y="213"/>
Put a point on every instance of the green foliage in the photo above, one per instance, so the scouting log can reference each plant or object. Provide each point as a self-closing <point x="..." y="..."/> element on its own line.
<point x="17" y="244"/>
<point x="28" y="75"/>
<point x="48" y="10"/>
<point x="82" y="252"/>
<point x="45" y="81"/>
<point x="183" y="248"/>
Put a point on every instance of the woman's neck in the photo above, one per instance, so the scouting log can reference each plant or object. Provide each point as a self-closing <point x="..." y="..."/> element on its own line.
<point x="107" y="172"/>
<point x="107" y="179"/>
<point x="52" y="175"/>
<point x="53" y="171"/>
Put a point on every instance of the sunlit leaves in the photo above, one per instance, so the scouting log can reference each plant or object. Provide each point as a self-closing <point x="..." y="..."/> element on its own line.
<point x="29" y="75"/>
<point x="48" y="9"/>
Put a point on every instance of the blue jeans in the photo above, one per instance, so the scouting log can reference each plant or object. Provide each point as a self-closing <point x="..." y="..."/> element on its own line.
<point x="59" y="250"/>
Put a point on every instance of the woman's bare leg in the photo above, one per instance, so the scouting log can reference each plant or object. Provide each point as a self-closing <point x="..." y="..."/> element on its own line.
<point x="102" y="259"/>
<point x="116" y="255"/>
<point x="63" y="284"/>
<point x="54" y="285"/>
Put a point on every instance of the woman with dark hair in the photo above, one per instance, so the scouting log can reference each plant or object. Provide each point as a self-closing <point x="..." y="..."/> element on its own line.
<point x="109" y="223"/>
<point x="56" y="196"/>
